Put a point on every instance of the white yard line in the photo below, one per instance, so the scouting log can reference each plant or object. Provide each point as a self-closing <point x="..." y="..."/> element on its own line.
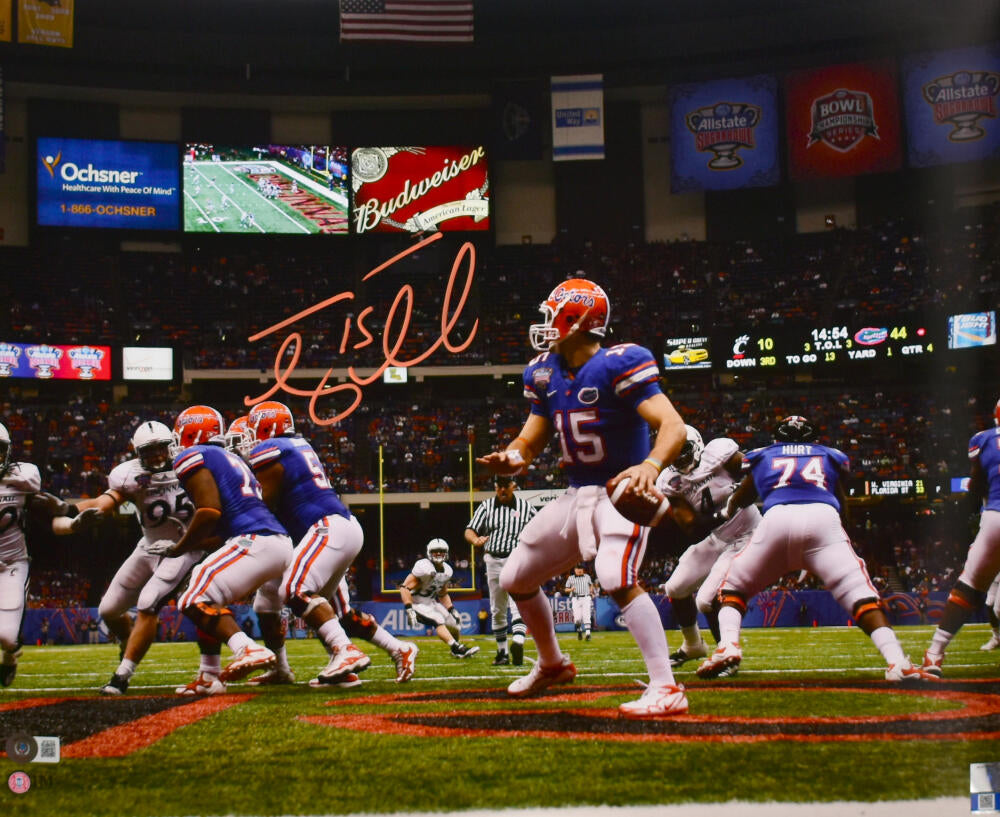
<point x="266" y="201"/>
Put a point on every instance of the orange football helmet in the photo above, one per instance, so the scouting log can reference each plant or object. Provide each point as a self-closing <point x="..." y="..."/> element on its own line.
<point x="198" y="425"/>
<point x="576" y="305"/>
<point x="270" y="419"/>
<point x="239" y="437"/>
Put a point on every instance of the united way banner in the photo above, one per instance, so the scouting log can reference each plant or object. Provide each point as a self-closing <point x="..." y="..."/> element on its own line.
<point x="578" y="117"/>
<point x="843" y="120"/>
<point x="724" y="134"/>
<point x="950" y="99"/>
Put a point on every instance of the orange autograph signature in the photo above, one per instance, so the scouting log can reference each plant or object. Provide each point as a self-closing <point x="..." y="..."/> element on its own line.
<point x="393" y="337"/>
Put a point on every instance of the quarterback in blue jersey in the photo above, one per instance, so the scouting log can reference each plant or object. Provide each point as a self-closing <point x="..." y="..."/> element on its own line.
<point x="602" y="404"/>
<point x="255" y="547"/>
<point x="801" y="485"/>
<point x="983" y="562"/>
<point x="327" y="538"/>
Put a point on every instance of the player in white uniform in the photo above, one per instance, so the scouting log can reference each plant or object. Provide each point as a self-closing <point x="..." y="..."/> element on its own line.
<point x="993" y="612"/>
<point x="144" y="581"/>
<point x="425" y="595"/>
<point x="698" y="483"/>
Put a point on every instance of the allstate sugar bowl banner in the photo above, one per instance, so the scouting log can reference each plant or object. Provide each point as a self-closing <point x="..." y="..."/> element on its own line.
<point x="724" y="134"/>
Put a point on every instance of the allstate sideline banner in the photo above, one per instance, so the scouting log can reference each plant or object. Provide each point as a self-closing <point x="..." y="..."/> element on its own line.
<point x="578" y="117"/>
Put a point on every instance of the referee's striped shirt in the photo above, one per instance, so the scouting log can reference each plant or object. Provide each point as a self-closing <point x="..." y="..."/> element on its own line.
<point x="580" y="585"/>
<point x="502" y="523"/>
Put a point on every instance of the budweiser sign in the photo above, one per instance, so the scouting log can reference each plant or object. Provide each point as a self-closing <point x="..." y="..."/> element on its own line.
<point x="842" y="119"/>
<point x="420" y="189"/>
<point x="961" y="99"/>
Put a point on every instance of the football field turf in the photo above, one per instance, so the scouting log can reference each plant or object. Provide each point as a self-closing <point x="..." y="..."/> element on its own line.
<point x="808" y="718"/>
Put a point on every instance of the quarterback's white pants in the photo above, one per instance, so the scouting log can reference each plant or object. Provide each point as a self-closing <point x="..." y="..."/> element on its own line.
<point x="793" y="537"/>
<point x="983" y="562"/>
<point x="500" y="600"/>
<point x="13" y="586"/>
<point x="236" y="569"/>
<point x="146" y="582"/>
<point x="566" y="531"/>
<point x="318" y="563"/>
<point x="583" y="607"/>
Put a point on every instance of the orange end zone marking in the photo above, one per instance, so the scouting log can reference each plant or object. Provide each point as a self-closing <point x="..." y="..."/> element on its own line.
<point x="123" y="740"/>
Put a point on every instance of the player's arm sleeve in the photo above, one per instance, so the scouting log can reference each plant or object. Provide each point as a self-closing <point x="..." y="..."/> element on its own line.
<point x="204" y="493"/>
<point x="477" y="521"/>
<point x="743" y="496"/>
<point x="270" y="474"/>
<point x="635" y="376"/>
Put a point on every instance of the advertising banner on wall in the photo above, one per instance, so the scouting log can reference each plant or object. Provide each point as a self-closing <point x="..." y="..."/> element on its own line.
<point x="5" y="20"/>
<point x="43" y="361"/>
<point x="843" y="120"/>
<point x="950" y="99"/>
<point x="44" y="22"/>
<point x="724" y="134"/>
<point x="578" y="117"/>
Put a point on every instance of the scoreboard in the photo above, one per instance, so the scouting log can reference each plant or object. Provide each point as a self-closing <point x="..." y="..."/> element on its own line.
<point x="812" y="347"/>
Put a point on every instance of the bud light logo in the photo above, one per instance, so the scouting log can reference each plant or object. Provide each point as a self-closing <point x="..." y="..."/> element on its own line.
<point x="842" y="119"/>
<point x="871" y="336"/>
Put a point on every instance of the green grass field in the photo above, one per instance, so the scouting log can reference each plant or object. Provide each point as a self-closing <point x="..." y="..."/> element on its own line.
<point x="808" y="718"/>
<point x="217" y="195"/>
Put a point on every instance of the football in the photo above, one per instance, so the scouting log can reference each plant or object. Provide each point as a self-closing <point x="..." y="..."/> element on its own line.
<point x="647" y="509"/>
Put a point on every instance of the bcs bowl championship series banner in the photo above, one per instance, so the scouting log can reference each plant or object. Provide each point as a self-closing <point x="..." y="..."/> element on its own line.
<point x="843" y="120"/>
<point x="951" y="106"/>
<point x="96" y="183"/>
<point x="724" y="134"/>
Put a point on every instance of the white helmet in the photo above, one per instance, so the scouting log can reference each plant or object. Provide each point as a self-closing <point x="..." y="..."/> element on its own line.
<point x="690" y="455"/>
<point x="437" y="551"/>
<point x="153" y="443"/>
<point x="5" y="450"/>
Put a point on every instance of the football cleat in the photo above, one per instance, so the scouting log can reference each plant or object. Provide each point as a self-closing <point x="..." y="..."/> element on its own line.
<point x="278" y="675"/>
<point x="249" y="659"/>
<point x="517" y="653"/>
<point x="659" y="701"/>
<point x="541" y="678"/>
<point x="460" y="650"/>
<point x="343" y="662"/>
<point x="587" y="637"/>
<point x="908" y="672"/>
<point x="501" y="659"/>
<point x="116" y="686"/>
<point x="932" y="664"/>
<point x="346" y="682"/>
<point x="204" y="684"/>
<point x="405" y="659"/>
<point x="686" y="653"/>
<point x="726" y="656"/>
<point x="993" y="643"/>
<point x="8" y="670"/>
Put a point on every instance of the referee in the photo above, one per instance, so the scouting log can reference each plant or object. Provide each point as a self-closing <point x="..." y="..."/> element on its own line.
<point x="581" y="589"/>
<point x="497" y="524"/>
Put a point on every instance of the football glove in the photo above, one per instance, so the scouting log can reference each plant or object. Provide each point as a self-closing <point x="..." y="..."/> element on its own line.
<point x="86" y="520"/>
<point x="456" y="616"/>
<point x="49" y="504"/>
<point x="411" y="617"/>
<point x="161" y="547"/>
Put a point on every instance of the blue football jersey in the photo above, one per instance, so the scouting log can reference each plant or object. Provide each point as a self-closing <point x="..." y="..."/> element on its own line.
<point x="985" y="446"/>
<point x="306" y="495"/>
<point x="243" y="510"/>
<point x="793" y="473"/>
<point x="594" y="408"/>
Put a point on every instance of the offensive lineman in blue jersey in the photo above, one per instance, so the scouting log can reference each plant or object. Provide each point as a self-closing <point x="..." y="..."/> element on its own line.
<point x="255" y="547"/>
<point x="983" y="562"/>
<point x="800" y="483"/>
<point x="602" y="403"/>
<point x="327" y="538"/>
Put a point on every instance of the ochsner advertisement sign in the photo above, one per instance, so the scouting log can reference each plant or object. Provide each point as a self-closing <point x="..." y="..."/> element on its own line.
<point x="120" y="185"/>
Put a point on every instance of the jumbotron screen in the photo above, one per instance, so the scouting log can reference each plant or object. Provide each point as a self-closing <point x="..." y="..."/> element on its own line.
<point x="420" y="189"/>
<point x="254" y="189"/>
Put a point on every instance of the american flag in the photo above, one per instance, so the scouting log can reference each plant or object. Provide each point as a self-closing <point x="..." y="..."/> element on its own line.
<point x="420" y="21"/>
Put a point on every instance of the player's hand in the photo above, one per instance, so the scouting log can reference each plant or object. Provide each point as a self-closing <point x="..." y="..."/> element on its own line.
<point x="161" y="547"/>
<point x="503" y="462"/>
<point x="48" y="504"/>
<point x="643" y="478"/>
<point x="86" y="520"/>
<point x="411" y="618"/>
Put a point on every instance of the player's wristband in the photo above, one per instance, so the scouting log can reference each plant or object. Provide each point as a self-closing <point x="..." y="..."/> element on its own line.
<point x="655" y="463"/>
<point x="408" y="606"/>
<point x="71" y="511"/>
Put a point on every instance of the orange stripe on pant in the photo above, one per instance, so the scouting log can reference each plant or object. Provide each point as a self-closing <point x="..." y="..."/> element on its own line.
<point x="631" y="551"/>
<point x="304" y="554"/>
<point x="204" y="583"/>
